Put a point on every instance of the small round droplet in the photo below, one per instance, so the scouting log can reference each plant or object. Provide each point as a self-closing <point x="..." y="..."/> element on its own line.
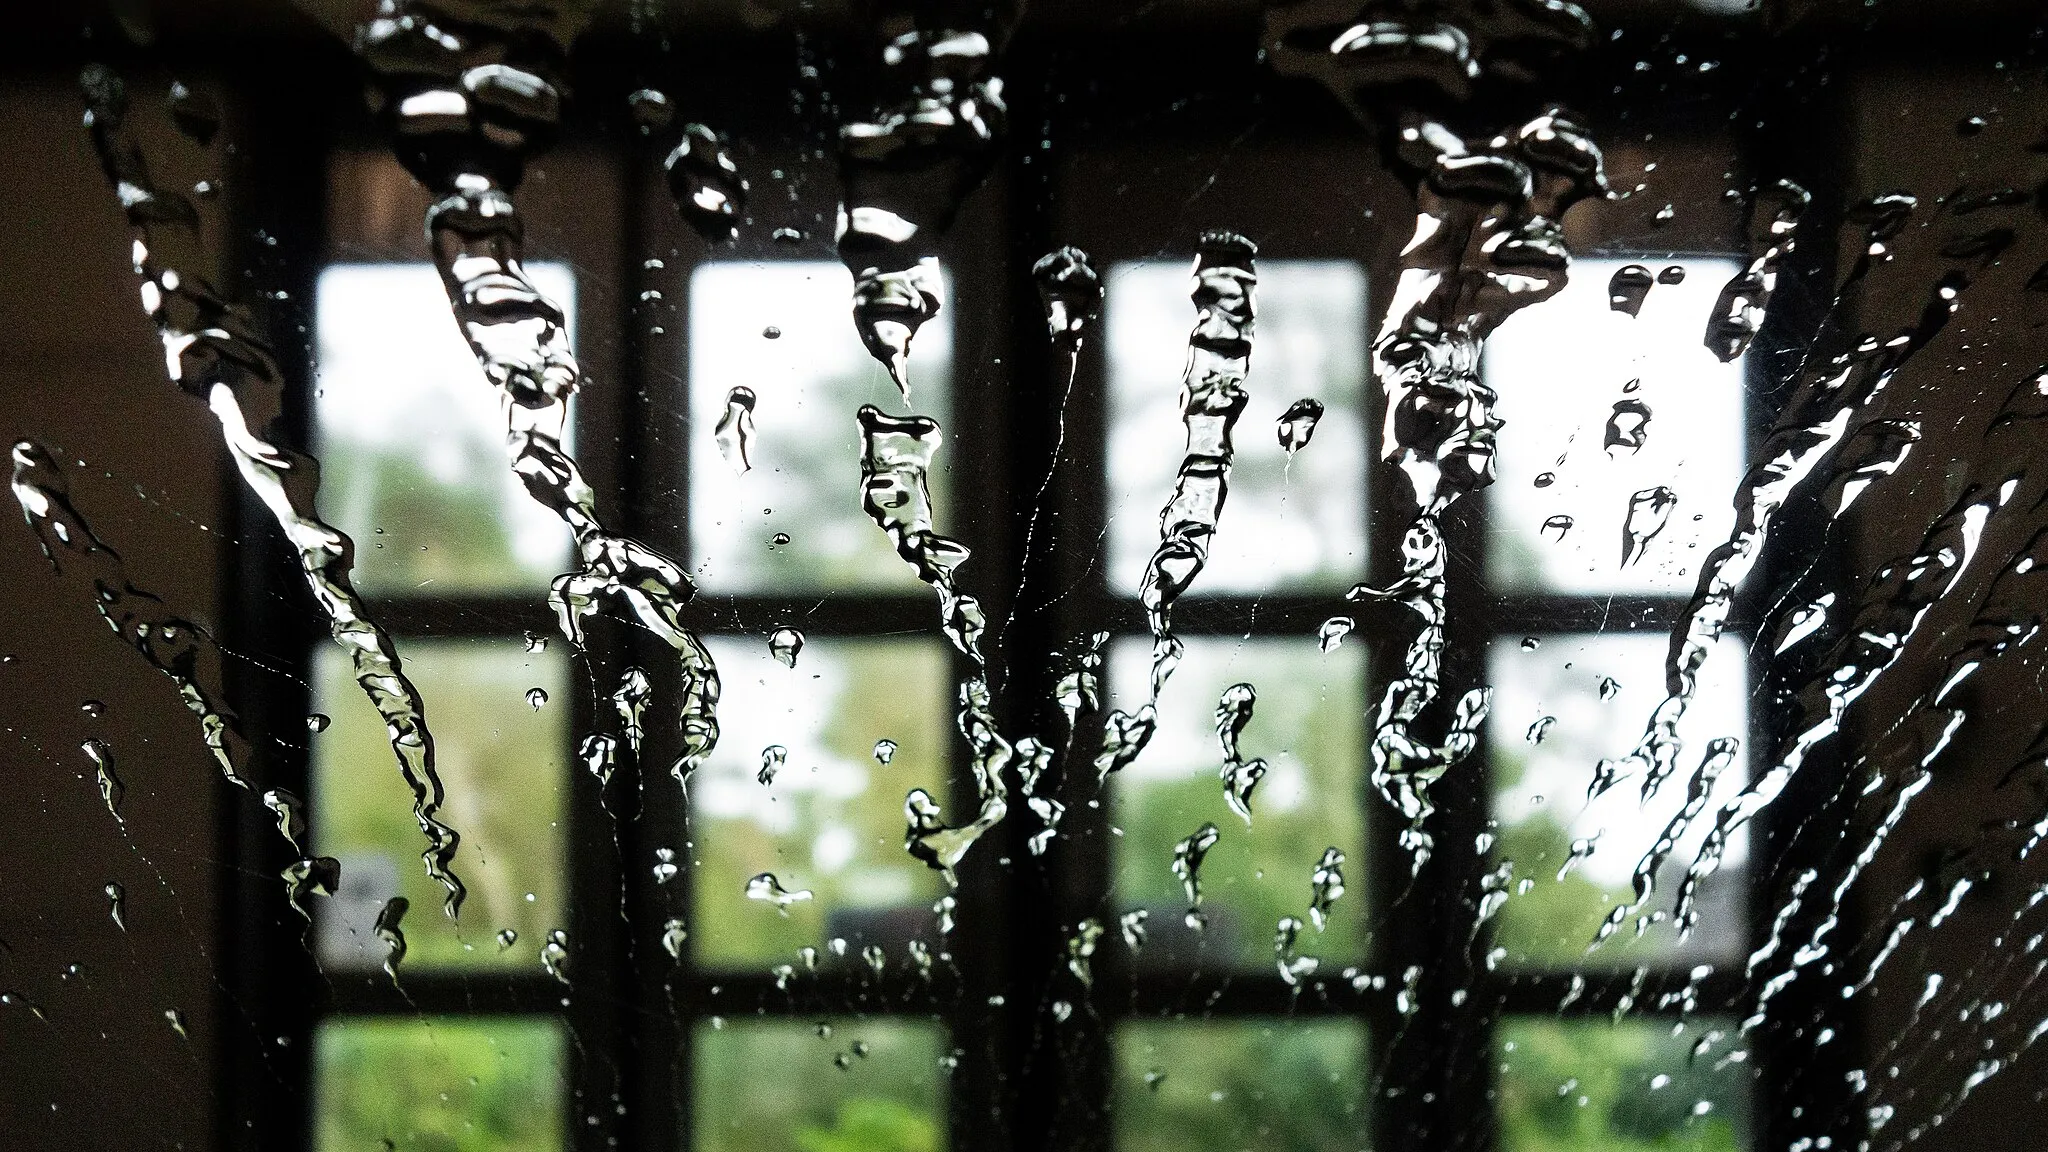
<point x="1545" y="479"/>
<point x="1531" y="643"/>
<point x="1665" y="215"/>
<point x="205" y="189"/>
<point x="1333" y="631"/>
<point x="536" y="641"/>
<point x="317" y="722"/>
<point x="1971" y="125"/>
<point x="787" y="236"/>
<point x="771" y="332"/>
<point x="93" y="708"/>
<point x="885" y="751"/>
<point x="779" y="539"/>
<point x="1609" y="687"/>
<point x="507" y="937"/>
<point x="1672" y="274"/>
<point x="536" y="697"/>
<point x="651" y="109"/>
<point x="784" y="644"/>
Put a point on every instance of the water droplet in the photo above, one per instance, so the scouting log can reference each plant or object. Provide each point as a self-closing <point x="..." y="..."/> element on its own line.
<point x="599" y="754"/>
<point x="1672" y="274"/>
<point x="1070" y="290"/>
<point x="1628" y="426"/>
<point x="1081" y="950"/>
<point x="536" y="641"/>
<point x="766" y="887"/>
<point x="536" y="697"/>
<point x="195" y="113"/>
<point x="1556" y="526"/>
<point x="117" y="903"/>
<point x="388" y="930"/>
<point x="1665" y="215"/>
<point x="1609" y="687"/>
<point x="111" y="788"/>
<point x="873" y="957"/>
<point x="784" y="644"/>
<point x="706" y="184"/>
<point x="1154" y="1077"/>
<point x="735" y="433"/>
<point x="651" y="109"/>
<point x="787" y="236"/>
<point x="673" y="936"/>
<point x="1297" y="425"/>
<point x="1326" y="885"/>
<point x="779" y="539"/>
<point x="290" y="813"/>
<point x="1971" y="125"/>
<point x="1628" y="288"/>
<point x="1187" y="865"/>
<point x="175" y="1018"/>
<point x="1333" y="632"/>
<point x="1773" y="231"/>
<point x="1132" y="925"/>
<point x="317" y="722"/>
<point x="772" y="759"/>
<point x="629" y="700"/>
<point x="93" y="709"/>
<point x="554" y="956"/>
<point x="664" y="865"/>
<point x="1648" y="511"/>
<point x="507" y="937"/>
<point x="771" y="332"/>
<point x="1545" y="479"/>
<point x="885" y="751"/>
<point x="1531" y="643"/>
<point x="1538" y="730"/>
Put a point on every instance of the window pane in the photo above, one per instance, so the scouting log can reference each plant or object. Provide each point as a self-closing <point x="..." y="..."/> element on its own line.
<point x="1576" y="379"/>
<point x="1297" y="526"/>
<point x="474" y="1084"/>
<point x="808" y="381"/>
<point x="1540" y="796"/>
<point x="502" y="761"/>
<point x="412" y="439"/>
<point x="839" y="1085"/>
<point x="1245" y="1084"/>
<point x="1632" y="1086"/>
<point x="1307" y="726"/>
<point x="831" y="821"/>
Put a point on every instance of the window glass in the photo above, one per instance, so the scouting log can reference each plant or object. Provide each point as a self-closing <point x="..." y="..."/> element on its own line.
<point x="412" y="439"/>
<point x="1296" y="524"/>
<point x="501" y="749"/>
<point x="1240" y="1084"/>
<point x="452" y="1084"/>
<point x="781" y="331"/>
<point x="1307" y="725"/>
<point x="1558" y="710"/>
<point x="1627" y="1086"/>
<point x="1602" y="410"/>
<point x="833" y="1085"/>
<point x="830" y="820"/>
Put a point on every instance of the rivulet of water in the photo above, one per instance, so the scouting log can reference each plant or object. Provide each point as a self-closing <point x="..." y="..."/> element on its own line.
<point x="214" y="352"/>
<point x="465" y="106"/>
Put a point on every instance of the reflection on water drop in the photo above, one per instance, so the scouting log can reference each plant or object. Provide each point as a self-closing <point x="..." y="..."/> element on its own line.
<point x="388" y="930"/>
<point x="1071" y="291"/>
<point x="1544" y="479"/>
<point x="1132" y="925"/>
<point x="554" y="956"/>
<point x="1628" y="288"/>
<point x="673" y="935"/>
<point x="536" y="641"/>
<point x="651" y="110"/>
<point x="93" y="708"/>
<point x="1297" y="425"/>
<point x="885" y="751"/>
<point x="779" y="539"/>
<point x="1609" y="687"/>
<point x="1556" y="526"/>
<point x="1628" y="426"/>
<point x="1326" y="885"/>
<point x="1333" y="632"/>
<point x="664" y="865"/>
<point x="766" y="887"/>
<point x="1187" y="864"/>
<point x="536" y="697"/>
<point x="176" y="1020"/>
<point x="598" y="752"/>
<point x="289" y="811"/>
<point x="735" y="433"/>
<point x="630" y="700"/>
<point x="117" y="903"/>
<point x="317" y="722"/>
<point x="1672" y="274"/>
<point x="1648" y="511"/>
<point x="787" y="236"/>
<point x="507" y="937"/>
<point x="1531" y="643"/>
<point x="1154" y="1077"/>
<point x="784" y="644"/>
<point x="111" y="788"/>
<point x="772" y="759"/>
<point x="1539" y="729"/>
<point x="706" y="184"/>
<point x="771" y="332"/>
<point x="195" y="113"/>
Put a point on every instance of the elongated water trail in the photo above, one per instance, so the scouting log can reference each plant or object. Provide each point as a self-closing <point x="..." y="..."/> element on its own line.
<point x="465" y="107"/>
<point x="214" y="352"/>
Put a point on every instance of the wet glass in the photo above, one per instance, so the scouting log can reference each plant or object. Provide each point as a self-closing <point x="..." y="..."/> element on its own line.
<point x="1606" y="405"/>
<point x="787" y="523"/>
<point x="1630" y="1086"/>
<point x="799" y="788"/>
<point x="459" y="1084"/>
<point x="1292" y="521"/>
<point x="412" y="440"/>
<point x="1253" y="1083"/>
<point x="1561" y="707"/>
<point x="1306" y="726"/>
<point x="833" y="1084"/>
<point x="501" y="727"/>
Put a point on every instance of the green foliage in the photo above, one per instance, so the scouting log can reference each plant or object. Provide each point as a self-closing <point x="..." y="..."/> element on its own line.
<point x="870" y="1124"/>
<point x="439" y="1085"/>
<point x="774" y="1086"/>
<point x="1276" y="1086"/>
<point x="1597" y="1087"/>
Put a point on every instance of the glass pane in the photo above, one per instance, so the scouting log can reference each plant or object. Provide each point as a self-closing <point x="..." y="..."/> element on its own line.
<point x="838" y="1085"/>
<point x="438" y="1084"/>
<point x="1244" y="1084"/>
<point x="412" y="439"/>
<point x="1632" y="1086"/>
<point x="808" y="381"/>
<point x="1286" y="526"/>
<point x="1597" y="692"/>
<point x="1600" y="408"/>
<point x="502" y="761"/>
<point x="831" y="820"/>
<point x="1307" y="725"/>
